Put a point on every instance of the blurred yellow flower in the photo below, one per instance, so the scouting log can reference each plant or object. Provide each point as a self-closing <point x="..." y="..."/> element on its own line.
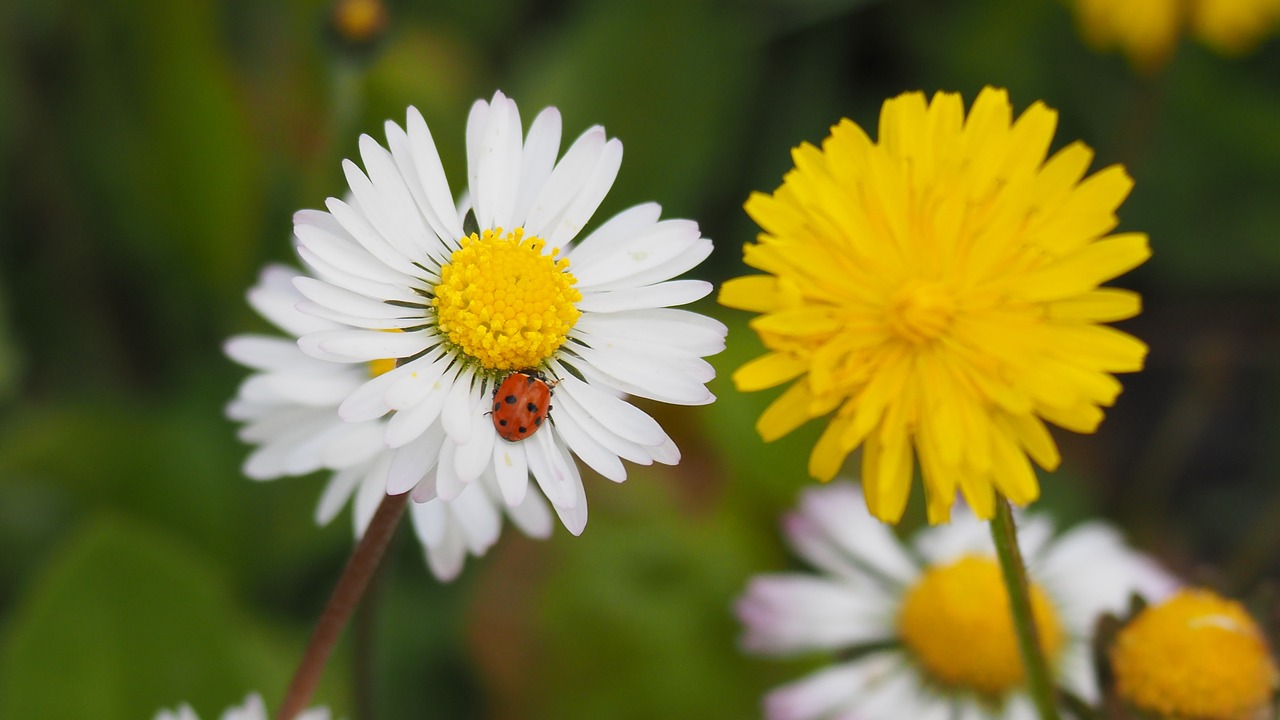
<point x="1234" y="26"/>
<point x="1197" y="655"/>
<point x="1144" y="30"/>
<point x="1147" y="31"/>
<point x="939" y="291"/>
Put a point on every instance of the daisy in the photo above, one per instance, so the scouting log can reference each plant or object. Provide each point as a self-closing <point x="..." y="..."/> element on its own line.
<point x="252" y="709"/>
<point x="289" y="407"/>
<point x="462" y="296"/>
<point x="937" y="293"/>
<point x="923" y="628"/>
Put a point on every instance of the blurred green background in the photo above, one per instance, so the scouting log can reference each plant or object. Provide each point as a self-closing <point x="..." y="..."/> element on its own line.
<point x="154" y="152"/>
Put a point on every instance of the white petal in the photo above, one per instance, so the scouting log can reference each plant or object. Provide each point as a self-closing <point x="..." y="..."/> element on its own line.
<point x="317" y="390"/>
<point x="595" y="455"/>
<point x="424" y="377"/>
<point x="448" y="484"/>
<point x="397" y="209"/>
<point x="833" y="530"/>
<point x="357" y="445"/>
<point x="625" y="449"/>
<point x="604" y="242"/>
<point x="565" y="183"/>
<point x="641" y="378"/>
<point x="352" y="303"/>
<point x="512" y="471"/>
<point x="532" y="516"/>
<point x="336" y="493"/>
<point x="430" y="171"/>
<point x="340" y="276"/>
<point x="414" y="321"/>
<point x="677" y="330"/>
<point x="497" y="162"/>
<point x="619" y="416"/>
<point x="372" y="490"/>
<point x="358" y="227"/>
<point x="411" y="463"/>
<point x="378" y="210"/>
<point x="369" y="400"/>
<point x="479" y="519"/>
<point x="367" y="345"/>
<point x="411" y="422"/>
<point x="446" y="559"/>
<point x="666" y="294"/>
<point x="791" y="614"/>
<point x="324" y="236"/>
<point x="430" y="521"/>
<point x="551" y="474"/>
<point x="278" y="304"/>
<point x="594" y="188"/>
<point x="540" y="149"/>
<point x="633" y="254"/>
<point x="476" y="454"/>
<point x="262" y="352"/>
<point x="829" y="690"/>
<point x="459" y="407"/>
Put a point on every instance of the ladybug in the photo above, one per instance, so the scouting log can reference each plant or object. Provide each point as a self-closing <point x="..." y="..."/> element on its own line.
<point x="520" y="404"/>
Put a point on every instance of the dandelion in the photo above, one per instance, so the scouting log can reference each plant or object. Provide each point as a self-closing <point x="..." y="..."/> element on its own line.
<point x="1196" y="655"/>
<point x="937" y="292"/>
<point x="1146" y="31"/>
<point x="501" y="283"/>
<point x="289" y="407"/>
<point x="1233" y="27"/>
<point x="923" y="627"/>
<point x="252" y="709"/>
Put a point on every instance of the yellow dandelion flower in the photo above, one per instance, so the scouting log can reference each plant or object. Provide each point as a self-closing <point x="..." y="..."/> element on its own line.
<point x="1146" y="31"/>
<point x="1197" y="655"/>
<point x="938" y="290"/>
<point x="1234" y="26"/>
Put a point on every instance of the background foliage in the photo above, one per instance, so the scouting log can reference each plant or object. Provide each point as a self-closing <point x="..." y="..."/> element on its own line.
<point x="154" y="152"/>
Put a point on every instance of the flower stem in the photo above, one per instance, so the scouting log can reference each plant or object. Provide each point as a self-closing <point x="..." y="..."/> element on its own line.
<point x="346" y="595"/>
<point x="1039" y="683"/>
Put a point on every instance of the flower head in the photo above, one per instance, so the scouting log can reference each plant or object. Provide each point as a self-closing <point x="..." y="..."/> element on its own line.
<point x="939" y="291"/>
<point x="926" y="625"/>
<point x="519" y="293"/>
<point x="289" y="407"/>
<point x="1196" y="655"/>
<point x="1148" y="31"/>
<point x="252" y="709"/>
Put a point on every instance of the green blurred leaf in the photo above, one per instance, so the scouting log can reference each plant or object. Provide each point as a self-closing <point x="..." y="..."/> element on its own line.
<point x="125" y="621"/>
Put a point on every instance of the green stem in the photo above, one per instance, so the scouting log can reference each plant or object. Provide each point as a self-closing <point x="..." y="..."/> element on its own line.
<point x="351" y="586"/>
<point x="1039" y="682"/>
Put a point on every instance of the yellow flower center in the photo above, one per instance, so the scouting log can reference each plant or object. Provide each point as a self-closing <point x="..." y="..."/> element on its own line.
<point x="503" y="303"/>
<point x="920" y="311"/>
<point x="956" y="622"/>
<point x="1197" y="655"/>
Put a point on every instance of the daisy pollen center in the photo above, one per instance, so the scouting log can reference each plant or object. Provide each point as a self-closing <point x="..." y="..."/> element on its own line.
<point x="921" y="311"/>
<point x="955" y="621"/>
<point x="1224" y="669"/>
<point x="503" y="303"/>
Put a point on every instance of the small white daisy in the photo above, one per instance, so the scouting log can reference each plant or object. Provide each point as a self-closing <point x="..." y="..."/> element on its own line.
<point x="252" y="709"/>
<point x="290" y="410"/>
<point x="923" y="629"/>
<point x="519" y="293"/>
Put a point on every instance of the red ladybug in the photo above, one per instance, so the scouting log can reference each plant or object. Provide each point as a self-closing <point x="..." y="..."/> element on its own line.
<point x="520" y="404"/>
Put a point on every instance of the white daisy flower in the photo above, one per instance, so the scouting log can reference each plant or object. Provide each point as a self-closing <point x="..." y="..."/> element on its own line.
<point x="289" y="408"/>
<point x="923" y="629"/>
<point x="519" y="293"/>
<point x="252" y="709"/>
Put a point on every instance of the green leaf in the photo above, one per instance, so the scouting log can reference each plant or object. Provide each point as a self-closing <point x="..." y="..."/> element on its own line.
<point x="125" y="621"/>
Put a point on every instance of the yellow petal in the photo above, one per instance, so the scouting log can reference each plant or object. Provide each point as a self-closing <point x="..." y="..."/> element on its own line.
<point x="980" y="495"/>
<point x="1100" y="347"/>
<point x="1101" y="305"/>
<point x="1084" y="270"/>
<point x="828" y="453"/>
<point x="1035" y="439"/>
<point x="1012" y="473"/>
<point x="788" y="412"/>
<point x="768" y="371"/>
<point x="798" y="323"/>
<point x="755" y="293"/>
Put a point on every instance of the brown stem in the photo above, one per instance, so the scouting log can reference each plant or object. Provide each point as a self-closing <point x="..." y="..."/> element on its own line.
<point x="351" y="586"/>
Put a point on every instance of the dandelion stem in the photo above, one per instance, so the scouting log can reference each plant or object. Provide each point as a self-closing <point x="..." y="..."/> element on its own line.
<point x="1039" y="683"/>
<point x="346" y="595"/>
